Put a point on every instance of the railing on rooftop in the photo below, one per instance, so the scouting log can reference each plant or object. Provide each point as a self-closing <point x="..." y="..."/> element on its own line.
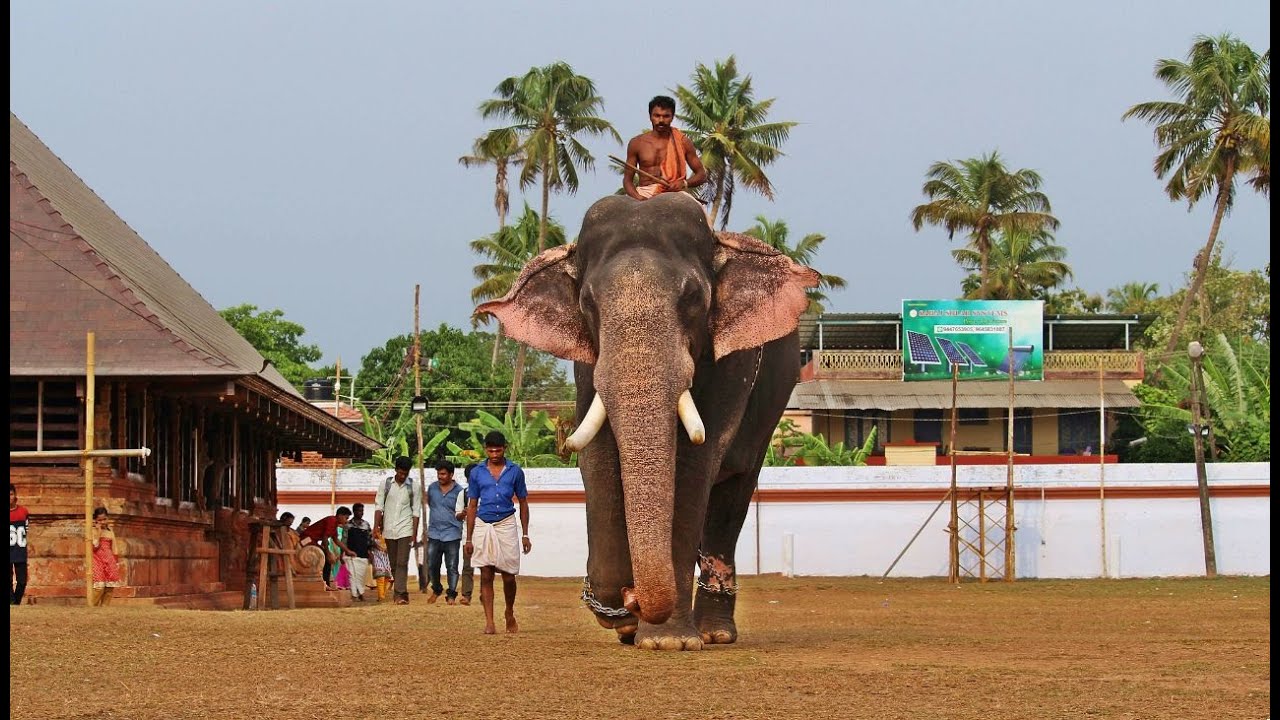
<point x="1058" y="364"/>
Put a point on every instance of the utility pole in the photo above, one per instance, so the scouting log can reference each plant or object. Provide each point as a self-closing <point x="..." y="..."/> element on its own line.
<point x="1196" y="351"/>
<point x="417" y="385"/>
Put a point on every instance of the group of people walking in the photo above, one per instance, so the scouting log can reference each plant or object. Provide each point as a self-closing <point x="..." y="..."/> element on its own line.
<point x="476" y="525"/>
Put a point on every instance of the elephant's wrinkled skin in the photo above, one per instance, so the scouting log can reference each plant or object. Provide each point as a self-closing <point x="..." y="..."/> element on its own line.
<point x="650" y="303"/>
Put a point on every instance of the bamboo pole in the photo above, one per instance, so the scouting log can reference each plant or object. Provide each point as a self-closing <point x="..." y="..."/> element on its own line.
<point x="337" y="408"/>
<point x="34" y="454"/>
<point x="953" y="550"/>
<point x="1102" y="467"/>
<point x="87" y="461"/>
<point x="1008" y="497"/>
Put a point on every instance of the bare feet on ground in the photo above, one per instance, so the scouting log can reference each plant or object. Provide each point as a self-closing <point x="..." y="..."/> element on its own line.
<point x="512" y="627"/>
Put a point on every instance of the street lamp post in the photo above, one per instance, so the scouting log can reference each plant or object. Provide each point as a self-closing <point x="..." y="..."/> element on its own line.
<point x="1196" y="351"/>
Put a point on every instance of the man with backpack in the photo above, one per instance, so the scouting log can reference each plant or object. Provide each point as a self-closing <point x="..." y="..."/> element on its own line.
<point x="398" y="509"/>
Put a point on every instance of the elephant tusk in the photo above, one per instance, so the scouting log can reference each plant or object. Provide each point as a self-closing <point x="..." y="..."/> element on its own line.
<point x="589" y="426"/>
<point x="688" y="413"/>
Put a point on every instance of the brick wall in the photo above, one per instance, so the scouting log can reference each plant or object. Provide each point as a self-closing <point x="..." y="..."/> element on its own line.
<point x="164" y="550"/>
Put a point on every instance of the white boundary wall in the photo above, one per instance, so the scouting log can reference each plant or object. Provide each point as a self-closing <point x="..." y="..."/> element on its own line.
<point x="1056" y="538"/>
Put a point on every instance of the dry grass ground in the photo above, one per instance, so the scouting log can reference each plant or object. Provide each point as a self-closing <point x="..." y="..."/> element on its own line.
<point x="811" y="648"/>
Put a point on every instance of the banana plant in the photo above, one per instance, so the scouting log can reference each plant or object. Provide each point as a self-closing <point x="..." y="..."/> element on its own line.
<point x="531" y="439"/>
<point x="395" y="441"/>
<point x="1237" y="388"/>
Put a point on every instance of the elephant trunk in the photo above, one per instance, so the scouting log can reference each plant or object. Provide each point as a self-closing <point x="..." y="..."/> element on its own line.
<point x="648" y="488"/>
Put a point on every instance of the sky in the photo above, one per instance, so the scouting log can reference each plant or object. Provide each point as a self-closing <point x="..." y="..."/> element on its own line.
<point x="303" y="155"/>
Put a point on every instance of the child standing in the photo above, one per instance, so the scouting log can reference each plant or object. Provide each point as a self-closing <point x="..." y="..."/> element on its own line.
<point x="106" y="567"/>
<point x="381" y="562"/>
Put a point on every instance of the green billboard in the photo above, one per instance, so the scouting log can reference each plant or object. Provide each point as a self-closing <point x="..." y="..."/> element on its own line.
<point x="974" y="337"/>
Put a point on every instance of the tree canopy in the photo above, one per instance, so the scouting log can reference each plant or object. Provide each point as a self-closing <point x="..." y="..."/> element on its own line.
<point x="774" y="233"/>
<point x="549" y="107"/>
<point x="456" y="376"/>
<point x="279" y="340"/>
<point x="1218" y="125"/>
<point x="730" y="129"/>
<point x="981" y="197"/>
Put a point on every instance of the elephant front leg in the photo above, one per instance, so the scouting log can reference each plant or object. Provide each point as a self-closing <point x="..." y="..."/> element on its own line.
<point x="608" y="556"/>
<point x="717" y="571"/>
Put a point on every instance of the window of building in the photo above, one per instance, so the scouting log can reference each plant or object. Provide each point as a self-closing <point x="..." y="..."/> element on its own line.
<point x="45" y="415"/>
<point x="928" y="426"/>
<point x="858" y="425"/>
<point x="973" y="416"/>
<point x="1078" y="432"/>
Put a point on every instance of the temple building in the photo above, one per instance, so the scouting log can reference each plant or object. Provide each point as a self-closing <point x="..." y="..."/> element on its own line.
<point x="170" y="375"/>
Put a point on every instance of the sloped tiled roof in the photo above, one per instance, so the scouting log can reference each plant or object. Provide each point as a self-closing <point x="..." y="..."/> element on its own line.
<point x="119" y="287"/>
<point x="76" y="267"/>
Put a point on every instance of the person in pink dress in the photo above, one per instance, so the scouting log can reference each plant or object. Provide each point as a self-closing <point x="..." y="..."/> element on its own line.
<point x="106" y="568"/>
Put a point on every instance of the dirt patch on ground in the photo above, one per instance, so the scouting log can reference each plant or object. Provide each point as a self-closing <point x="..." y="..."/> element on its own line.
<point x="810" y="648"/>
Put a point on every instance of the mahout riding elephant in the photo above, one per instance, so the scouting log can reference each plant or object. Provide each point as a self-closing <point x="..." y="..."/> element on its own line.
<point x="685" y="350"/>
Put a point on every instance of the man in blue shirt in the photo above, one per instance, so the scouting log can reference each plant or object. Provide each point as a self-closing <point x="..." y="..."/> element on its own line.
<point x="444" y="531"/>
<point x="494" y="541"/>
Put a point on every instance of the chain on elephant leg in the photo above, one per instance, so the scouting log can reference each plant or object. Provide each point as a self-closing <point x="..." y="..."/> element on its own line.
<point x="619" y="619"/>
<point x="717" y="596"/>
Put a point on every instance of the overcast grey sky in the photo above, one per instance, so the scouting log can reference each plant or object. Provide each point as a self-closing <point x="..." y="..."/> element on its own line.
<point x="303" y="155"/>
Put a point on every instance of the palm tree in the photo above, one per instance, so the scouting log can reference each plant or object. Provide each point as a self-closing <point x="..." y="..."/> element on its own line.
<point x="1214" y="130"/>
<point x="1021" y="266"/>
<point x="549" y="107"/>
<point x="727" y="126"/>
<point x="507" y="252"/>
<point x="1132" y="297"/>
<point x="500" y="148"/>
<point x="774" y="233"/>
<point x="981" y="197"/>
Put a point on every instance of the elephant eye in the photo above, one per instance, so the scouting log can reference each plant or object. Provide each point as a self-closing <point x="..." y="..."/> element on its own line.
<point x="691" y="295"/>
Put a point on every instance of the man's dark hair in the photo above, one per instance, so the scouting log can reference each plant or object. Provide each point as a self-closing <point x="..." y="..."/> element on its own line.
<point x="99" y="512"/>
<point x="495" y="439"/>
<point x="466" y="471"/>
<point x="404" y="463"/>
<point x="305" y="519"/>
<point x="13" y="490"/>
<point x="446" y="465"/>
<point x="286" y="517"/>
<point x="664" y="102"/>
<point x="344" y="510"/>
<point x="357" y="506"/>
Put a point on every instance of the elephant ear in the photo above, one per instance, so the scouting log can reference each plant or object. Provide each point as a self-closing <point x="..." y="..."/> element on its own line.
<point x="541" y="310"/>
<point x="760" y="293"/>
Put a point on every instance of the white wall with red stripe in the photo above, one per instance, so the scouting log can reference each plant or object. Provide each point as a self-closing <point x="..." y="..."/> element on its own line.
<point x="856" y="520"/>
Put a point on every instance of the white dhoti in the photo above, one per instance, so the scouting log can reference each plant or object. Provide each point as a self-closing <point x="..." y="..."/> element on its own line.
<point x="497" y="545"/>
<point x="651" y="191"/>
<point x="358" y="568"/>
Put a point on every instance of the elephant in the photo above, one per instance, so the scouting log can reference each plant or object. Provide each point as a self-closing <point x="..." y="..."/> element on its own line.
<point x="669" y="326"/>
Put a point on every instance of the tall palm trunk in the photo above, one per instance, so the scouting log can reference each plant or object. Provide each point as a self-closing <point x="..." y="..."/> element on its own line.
<point x="984" y="252"/>
<point x="715" y="205"/>
<point x="1202" y="267"/>
<point x="546" y="203"/>
<point x="517" y="378"/>
<point x="500" y="201"/>
<point x="497" y="344"/>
